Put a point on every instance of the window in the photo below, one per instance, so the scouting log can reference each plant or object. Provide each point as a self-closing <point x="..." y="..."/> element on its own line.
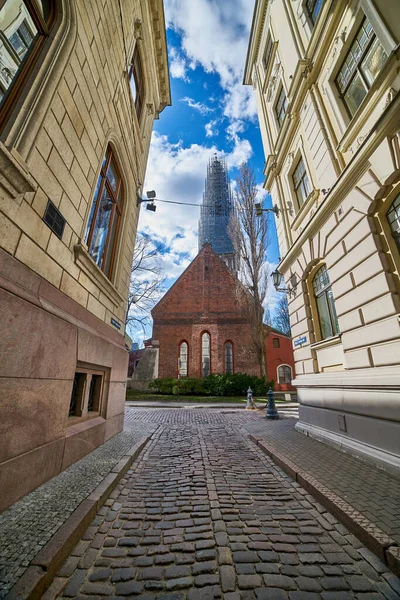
<point x="136" y="81"/>
<point x="183" y="359"/>
<point x="94" y="393"/>
<point x="86" y="393"/>
<point x="77" y="395"/>
<point x="313" y="9"/>
<point x="284" y="374"/>
<point x="105" y="215"/>
<point x="205" y="354"/>
<point x="361" y="67"/>
<point x="276" y="343"/>
<point x="393" y="217"/>
<point x="281" y="107"/>
<point x="24" y="25"/>
<point x="325" y="302"/>
<point x="301" y="183"/>
<point x="228" y="357"/>
<point x="268" y="51"/>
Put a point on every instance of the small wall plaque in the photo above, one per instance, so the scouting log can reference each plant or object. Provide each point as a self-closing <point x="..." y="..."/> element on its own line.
<point x="115" y="323"/>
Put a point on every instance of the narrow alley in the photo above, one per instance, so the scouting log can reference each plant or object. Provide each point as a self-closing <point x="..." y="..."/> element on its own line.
<point x="203" y="513"/>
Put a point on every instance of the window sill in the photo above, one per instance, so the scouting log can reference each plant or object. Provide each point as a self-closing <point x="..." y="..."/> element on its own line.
<point x="304" y="209"/>
<point x="87" y="264"/>
<point x="78" y="424"/>
<point x="327" y="342"/>
<point x="15" y="180"/>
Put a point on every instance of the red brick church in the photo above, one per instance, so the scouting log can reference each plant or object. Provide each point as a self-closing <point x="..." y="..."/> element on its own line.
<point x="202" y="321"/>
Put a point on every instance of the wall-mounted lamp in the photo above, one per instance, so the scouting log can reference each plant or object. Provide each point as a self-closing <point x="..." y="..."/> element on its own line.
<point x="277" y="280"/>
<point x="260" y="209"/>
<point x="150" y="196"/>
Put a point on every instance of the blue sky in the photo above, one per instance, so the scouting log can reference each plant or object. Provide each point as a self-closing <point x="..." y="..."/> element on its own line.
<point x="211" y="112"/>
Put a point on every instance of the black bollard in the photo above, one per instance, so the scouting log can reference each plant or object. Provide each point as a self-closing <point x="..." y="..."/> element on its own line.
<point x="272" y="413"/>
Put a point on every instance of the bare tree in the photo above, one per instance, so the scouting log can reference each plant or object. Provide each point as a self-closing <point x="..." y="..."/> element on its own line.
<point x="249" y="233"/>
<point x="146" y="284"/>
<point x="281" y="320"/>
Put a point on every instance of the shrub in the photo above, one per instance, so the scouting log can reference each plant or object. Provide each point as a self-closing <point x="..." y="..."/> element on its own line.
<point x="235" y="384"/>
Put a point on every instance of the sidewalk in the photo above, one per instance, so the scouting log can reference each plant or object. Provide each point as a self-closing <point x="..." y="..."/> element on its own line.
<point x="364" y="498"/>
<point x="28" y="525"/>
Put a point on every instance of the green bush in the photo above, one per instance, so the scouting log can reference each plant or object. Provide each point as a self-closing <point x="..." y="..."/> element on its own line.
<point x="235" y="384"/>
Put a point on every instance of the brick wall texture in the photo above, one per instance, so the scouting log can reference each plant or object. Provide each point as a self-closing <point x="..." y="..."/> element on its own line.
<point x="207" y="298"/>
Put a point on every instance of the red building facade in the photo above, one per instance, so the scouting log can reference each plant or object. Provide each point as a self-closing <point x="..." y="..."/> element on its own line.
<point x="202" y="322"/>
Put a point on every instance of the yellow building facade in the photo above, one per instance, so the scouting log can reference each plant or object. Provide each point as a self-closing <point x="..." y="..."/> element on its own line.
<point x="326" y="79"/>
<point x="80" y="85"/>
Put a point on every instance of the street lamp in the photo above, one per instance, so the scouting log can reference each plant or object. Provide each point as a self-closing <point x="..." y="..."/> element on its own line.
<point x="277" y="280"/>
<point x="260" y="209"/>
<point x="151" y="195"/>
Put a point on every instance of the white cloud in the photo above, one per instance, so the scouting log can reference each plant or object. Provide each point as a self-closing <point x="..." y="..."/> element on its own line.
<point x="177" y="65"/>
<point x="215" y="35"/>
<point x="211" y="129"/>
<point x="199" y="106"/>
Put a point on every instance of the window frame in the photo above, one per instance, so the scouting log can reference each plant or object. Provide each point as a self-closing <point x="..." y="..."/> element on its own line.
<point x="268" y="51"/>
<point x="323" y="292"/>
<point x="201" y="353"/>
<point x="187" y="358"/>
<point x="304" y="177"/>
<point x="82" y="411"/>
<point x="110" y="156"/>
<point x="280" y="118"/>
<point x="310" y="12"/>
<point x="26" y="65"/>
<point x="276" y="343"/>
<point x="134" y="69"/>
<point x="284" y="366"/>
<point x="357" y="70"/>
<point x="225" y="356"/>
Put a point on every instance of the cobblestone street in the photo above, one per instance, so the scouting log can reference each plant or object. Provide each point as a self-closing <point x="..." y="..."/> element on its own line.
<point x="205" y="514"/>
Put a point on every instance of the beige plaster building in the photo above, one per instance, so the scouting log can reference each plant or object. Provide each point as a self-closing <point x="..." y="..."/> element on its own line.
<point x="326" y="79"/>
<point x="80" y="85"/>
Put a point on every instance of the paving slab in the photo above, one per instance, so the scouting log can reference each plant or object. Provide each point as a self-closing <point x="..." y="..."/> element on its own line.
<point x="205" y="513"/>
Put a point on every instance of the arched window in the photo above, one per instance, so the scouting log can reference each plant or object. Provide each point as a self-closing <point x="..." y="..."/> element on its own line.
<point x="205" y="354"/>
<point x="325" y="303"/>
<point x="228" y="357"/>
<point x="393" y="217"/>
<point x="105" y="215"/>
<point x="24" y="25"/>
<point x="284" y="374"/>
<point x="183" y="359"/>
<point x="136" y="81"/>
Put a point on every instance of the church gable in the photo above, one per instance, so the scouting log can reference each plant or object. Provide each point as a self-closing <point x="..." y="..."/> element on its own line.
<point x="206" y="287"/>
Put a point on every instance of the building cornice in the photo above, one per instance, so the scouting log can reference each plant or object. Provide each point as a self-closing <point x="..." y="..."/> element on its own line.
<point x="161" y="53"/>
<point x="257" y="26"/>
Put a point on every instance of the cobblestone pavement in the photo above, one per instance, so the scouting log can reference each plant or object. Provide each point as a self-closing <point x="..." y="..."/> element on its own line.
<point x="28" y="524"/>
<point x="373" y="492"/>
<point x="205" y="514"/>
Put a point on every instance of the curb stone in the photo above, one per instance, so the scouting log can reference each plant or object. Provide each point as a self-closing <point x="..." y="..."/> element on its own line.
<point x="45" y="565"/>
<point x="370" y="535"/>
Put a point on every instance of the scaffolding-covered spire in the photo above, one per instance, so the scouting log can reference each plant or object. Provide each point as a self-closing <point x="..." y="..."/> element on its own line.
<point x="216" y="211"/>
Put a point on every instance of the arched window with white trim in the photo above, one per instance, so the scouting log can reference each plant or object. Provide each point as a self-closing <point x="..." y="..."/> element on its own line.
<point x="205" y="354"/>
<point x="183" y="359"/>
<point x="284" y="374"/>
<point x="228" y="357"/>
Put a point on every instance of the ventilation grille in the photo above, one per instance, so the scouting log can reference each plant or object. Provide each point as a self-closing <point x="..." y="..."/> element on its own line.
<point x="54" y="219"/>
